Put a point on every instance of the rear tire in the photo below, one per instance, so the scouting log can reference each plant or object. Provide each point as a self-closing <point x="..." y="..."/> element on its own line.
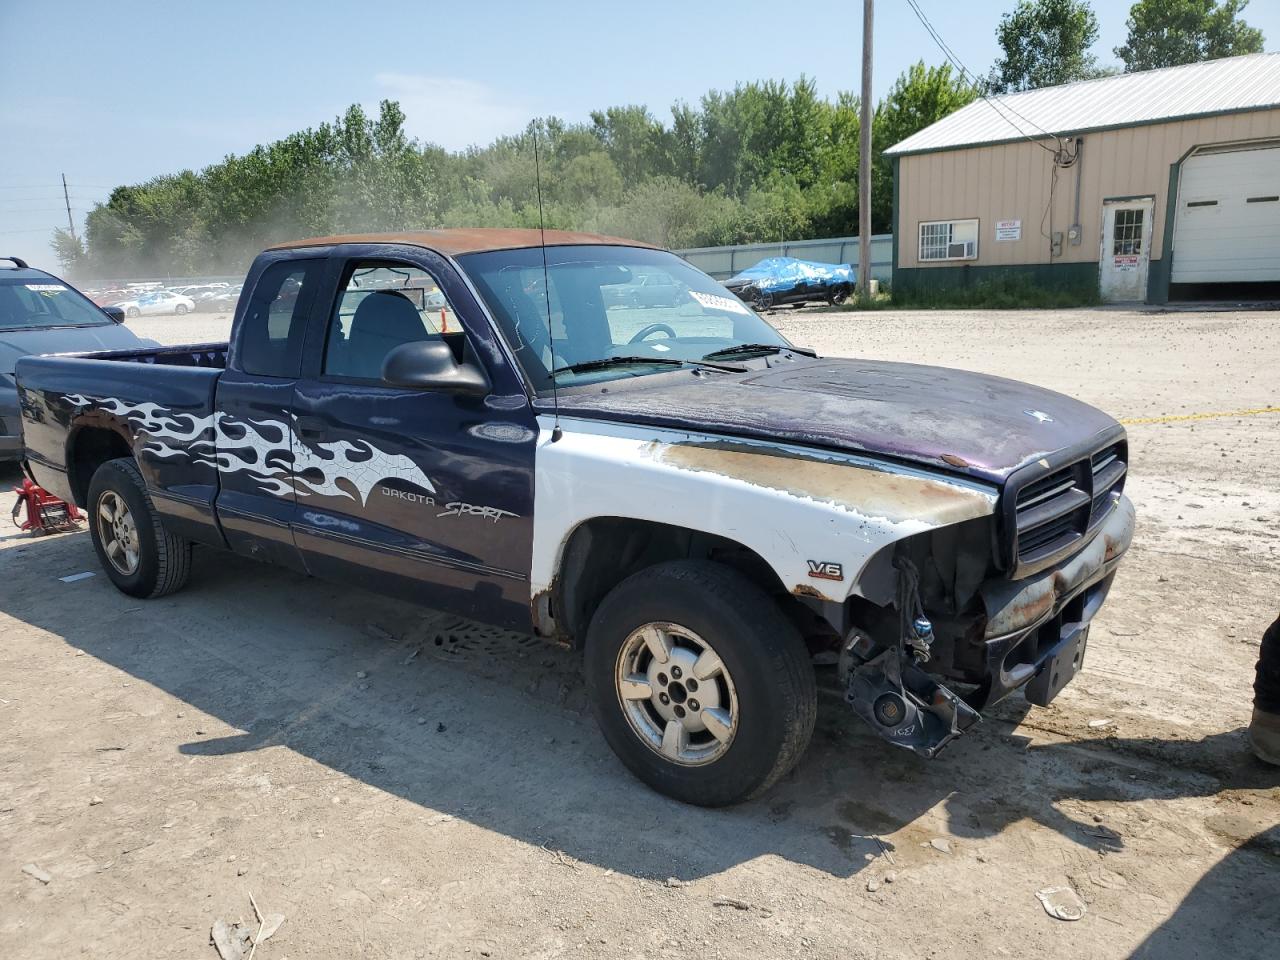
<point x="139" y="555"/>
<point x="133" y="312"/>
<point x="180" y="309"/>
<point x="759" y="695"/>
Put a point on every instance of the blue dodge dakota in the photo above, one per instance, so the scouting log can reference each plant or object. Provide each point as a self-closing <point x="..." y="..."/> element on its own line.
<point x="470" y="419"/>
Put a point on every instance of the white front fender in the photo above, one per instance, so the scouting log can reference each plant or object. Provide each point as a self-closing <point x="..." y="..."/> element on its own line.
<point x="812" y="515"/>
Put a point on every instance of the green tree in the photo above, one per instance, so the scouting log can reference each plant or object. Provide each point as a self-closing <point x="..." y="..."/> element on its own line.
<point x="1045" y="43"/>
<point x="918" y="98"/>
<point x="762" y="162"/>
<point x="69" y="250"/>
<point x="1165" y="33"/>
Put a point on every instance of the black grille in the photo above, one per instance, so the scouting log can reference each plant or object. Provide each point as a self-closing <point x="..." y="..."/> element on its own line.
<point x="1108" y="468"/>
<point x="1053" y="511"/>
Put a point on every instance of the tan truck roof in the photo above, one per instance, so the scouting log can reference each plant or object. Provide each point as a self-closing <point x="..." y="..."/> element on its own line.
<point x="468" y="240"/>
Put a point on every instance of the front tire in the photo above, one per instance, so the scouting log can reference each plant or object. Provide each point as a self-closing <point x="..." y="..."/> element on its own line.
<point x="728" y="711"/>
<point x="180" y="309"/>
<point x="139" y="555"/>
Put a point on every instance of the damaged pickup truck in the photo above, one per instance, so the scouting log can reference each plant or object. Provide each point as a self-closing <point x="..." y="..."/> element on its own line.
<point x="461" y="418"/>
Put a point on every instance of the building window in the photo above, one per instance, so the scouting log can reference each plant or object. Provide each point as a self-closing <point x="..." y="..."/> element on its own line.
<point x="949" y="240"/>
<point x="1127" y="237"/>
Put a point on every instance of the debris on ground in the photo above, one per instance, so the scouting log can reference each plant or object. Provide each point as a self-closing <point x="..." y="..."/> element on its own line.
<point x="1102" y="722"/>
<point x="873" y="884"/>
<point x="94" y="801"/>
<point x="1062" y="903"/>
<point x="31" y="870"/>
<point x="731" y="902"/>
<point x="674" y="882"/>
<point x="941" y="844"/>
<point x="72" y="578"/>
<point x="362" y="674"/>
<point x="231" y="940"/>
<point x="239" y="940"/>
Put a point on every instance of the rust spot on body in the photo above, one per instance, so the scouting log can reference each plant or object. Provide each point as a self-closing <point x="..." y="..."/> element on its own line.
<point x="808" y="590"/>
<point x="865" y="490"/>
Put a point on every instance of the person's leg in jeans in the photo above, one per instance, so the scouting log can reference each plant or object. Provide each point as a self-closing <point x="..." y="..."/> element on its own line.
<point x="1264" y="731"/>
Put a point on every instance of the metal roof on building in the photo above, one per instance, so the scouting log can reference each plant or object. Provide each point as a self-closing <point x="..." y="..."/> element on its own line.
<point x="1230" y="85"/>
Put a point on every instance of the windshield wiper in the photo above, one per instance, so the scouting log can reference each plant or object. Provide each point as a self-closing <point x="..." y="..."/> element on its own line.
<point x="584" y="365"/>
<point x="745" y="348"/>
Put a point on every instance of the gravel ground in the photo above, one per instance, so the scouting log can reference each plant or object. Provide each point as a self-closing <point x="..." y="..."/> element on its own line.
<point x="399" y="784"/>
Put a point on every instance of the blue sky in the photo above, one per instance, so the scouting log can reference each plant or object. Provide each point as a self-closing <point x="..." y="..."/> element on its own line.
<point x="113" y="93"/>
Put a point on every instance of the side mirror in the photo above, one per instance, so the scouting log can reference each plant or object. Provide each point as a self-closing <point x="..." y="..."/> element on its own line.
<point x="114" y="312"/>
<point x="430" y="364"/>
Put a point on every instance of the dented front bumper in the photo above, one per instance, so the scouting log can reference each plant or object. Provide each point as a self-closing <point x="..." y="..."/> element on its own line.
<point x="1035" y="635"/>
<point x="1033" y="623"/>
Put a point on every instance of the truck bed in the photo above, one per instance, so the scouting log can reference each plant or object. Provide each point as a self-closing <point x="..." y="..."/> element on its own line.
<point x="114" y="395"/>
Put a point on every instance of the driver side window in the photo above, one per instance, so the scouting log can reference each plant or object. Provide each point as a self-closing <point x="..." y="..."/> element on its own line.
<point x="382" y="306"/>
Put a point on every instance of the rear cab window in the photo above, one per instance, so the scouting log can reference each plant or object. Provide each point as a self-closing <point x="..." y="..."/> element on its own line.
<point x="275" y="320"/>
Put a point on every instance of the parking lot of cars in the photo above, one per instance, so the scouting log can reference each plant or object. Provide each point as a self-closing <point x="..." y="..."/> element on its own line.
<point x="150" y="298"/>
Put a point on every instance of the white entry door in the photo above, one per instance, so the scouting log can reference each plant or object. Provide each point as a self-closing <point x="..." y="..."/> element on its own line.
<point x="1126" y="249"/>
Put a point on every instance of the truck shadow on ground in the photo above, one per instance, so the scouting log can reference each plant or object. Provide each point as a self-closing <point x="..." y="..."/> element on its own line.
<point x="494" y="728"/>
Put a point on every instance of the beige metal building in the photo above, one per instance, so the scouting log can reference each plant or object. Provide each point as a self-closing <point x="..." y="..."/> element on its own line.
<point x="1145" y="186"/>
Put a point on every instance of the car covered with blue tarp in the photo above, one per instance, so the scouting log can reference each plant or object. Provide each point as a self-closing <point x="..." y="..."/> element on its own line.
<point x="777" y="280"/>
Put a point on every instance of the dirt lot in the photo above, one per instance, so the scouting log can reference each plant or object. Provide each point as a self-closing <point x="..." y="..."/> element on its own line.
<point x="398" y="784"/>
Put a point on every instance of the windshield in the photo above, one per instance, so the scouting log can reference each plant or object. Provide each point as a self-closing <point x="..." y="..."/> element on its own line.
<point x="609" y="302"/>
<point x="45" y="302"/>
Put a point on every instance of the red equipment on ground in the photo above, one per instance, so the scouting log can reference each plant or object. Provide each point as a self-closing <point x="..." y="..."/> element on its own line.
<point x="45" y="512"/>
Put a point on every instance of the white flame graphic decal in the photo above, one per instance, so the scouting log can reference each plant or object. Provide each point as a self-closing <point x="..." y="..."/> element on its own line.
<point x="266" y="451"/>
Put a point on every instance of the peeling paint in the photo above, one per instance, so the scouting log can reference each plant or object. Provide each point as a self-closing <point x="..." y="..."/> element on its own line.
<point x="882" y="493"/>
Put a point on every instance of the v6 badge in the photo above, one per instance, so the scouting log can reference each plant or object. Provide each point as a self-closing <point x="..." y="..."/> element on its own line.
<point x="826" y="570"/>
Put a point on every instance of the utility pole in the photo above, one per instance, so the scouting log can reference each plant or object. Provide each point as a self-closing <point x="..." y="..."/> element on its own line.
<point x="864" y="159"/>
<point x="71" y="224"/>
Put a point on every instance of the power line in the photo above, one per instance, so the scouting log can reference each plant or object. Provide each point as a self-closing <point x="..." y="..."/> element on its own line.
<point x="966" y="74"/>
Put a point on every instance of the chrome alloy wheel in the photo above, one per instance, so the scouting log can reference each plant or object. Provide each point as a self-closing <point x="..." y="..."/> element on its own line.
<point x="118" y="532"/>
<point x="676" y="694"/>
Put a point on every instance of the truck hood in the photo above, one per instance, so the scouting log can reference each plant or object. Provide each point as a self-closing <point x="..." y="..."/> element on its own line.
<point x="953" y="420"/>
<point x="22" y="343"/>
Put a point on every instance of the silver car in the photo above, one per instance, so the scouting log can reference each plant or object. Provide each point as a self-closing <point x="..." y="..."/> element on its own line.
<point x="41" y="314"/>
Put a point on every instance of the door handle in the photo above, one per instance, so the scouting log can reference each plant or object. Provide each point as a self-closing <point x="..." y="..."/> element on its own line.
<point x="312" y="428"/>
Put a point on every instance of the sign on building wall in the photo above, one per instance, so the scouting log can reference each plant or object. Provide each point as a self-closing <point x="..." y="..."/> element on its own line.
<point x="1008" y="230"/>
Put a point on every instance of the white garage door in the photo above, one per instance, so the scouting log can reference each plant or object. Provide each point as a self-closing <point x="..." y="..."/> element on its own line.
<point x="1227" y="227"/>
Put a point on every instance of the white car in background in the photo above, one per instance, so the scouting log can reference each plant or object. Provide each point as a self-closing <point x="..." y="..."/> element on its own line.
<point x="157" y="302"/>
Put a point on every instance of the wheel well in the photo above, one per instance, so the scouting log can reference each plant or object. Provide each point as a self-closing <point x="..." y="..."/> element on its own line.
<point x="91" y="447"/>
<point x="604" y="551"/>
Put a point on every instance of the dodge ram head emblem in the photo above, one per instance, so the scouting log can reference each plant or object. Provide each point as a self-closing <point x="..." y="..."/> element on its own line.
<point x="1039" y="415"/>
<point x="826" y="570"/>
